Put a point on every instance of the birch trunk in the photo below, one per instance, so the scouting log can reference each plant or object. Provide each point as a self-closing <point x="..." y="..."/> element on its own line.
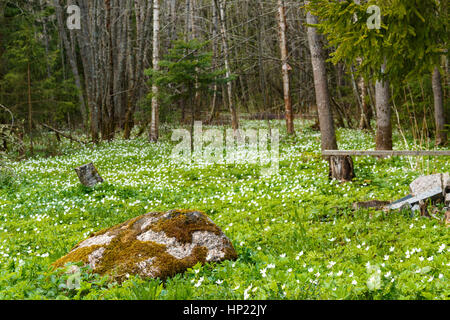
<point x="441" y="134"/>
<point x="234" y="120"/>
<point x="30" y="109"/>
<point x="261" y="69"/>
<point x="172" y="20"/>
<point x="154" y="126"/>
<point x="2" y="19"/>
<point x="214" y="63"/>
<point x="109" y="123"/>
<point x="365" y="110"/>
<point x="285" y="67"/>
<point x="383" y="107"/>
<point x="72" y="60"/>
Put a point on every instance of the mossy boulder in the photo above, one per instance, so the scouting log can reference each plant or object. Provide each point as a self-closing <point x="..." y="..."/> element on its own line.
<point x="155" y="245"/>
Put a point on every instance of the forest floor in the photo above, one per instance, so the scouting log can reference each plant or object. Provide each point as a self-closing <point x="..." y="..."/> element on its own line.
<point x="295" y="232"/>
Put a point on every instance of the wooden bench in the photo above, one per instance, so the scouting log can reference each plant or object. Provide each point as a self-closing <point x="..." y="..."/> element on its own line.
<point x="386" y="153"/>
<point x="341" y="163"/>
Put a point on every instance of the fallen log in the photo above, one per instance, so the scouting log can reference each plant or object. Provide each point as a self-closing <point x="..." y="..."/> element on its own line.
<point x="373" y="204"/>
<point x="62" y="134"/>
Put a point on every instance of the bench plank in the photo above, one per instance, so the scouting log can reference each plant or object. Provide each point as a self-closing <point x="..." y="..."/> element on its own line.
<point x="386" y="153"/>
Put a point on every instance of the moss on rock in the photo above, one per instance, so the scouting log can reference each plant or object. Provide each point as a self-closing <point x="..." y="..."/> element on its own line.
<point x="181" y="225"/>
<point x="158" y="244"/>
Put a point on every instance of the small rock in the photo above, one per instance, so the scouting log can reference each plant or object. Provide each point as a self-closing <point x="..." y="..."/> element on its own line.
<point x="155" y="245"/>
<point x="446" y="182"/>
<point x="447" y="199"/>
<point x="432" y="194"/>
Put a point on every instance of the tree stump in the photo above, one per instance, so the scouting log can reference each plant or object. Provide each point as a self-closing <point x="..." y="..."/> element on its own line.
<point x="341" y="168"/>
<point x="423" y="206"/>
<point x="88" y="175"/>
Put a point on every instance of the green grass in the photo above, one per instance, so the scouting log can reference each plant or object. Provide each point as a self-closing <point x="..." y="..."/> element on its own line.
<point x="295" y="232"/>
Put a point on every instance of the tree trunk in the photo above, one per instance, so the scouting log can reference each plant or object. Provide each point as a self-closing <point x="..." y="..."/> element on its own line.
<point x="214" y="63"/>
<point x="189" y="20"/>
<point x="136" y="59"/>
<point x="220" y="4"/>
<point x="172" y="20"/>
<point x="88" y="47"/>
<point x="30" y="109"/>
<point x="72" y="60"/>
<point x="261" y="69"/>
<point x="154" y="126"/>
<point x="285" y="67"/>
<point x="109" y="123"/>
<point x="383" y="107"/>
<point x="341" y="168"/>
<point x="120" y="79"/>
<point x="328" y="135"/>
<point x="365" y="110"/>
<point x="2" y="21"/>
<point x="441" y="134"/>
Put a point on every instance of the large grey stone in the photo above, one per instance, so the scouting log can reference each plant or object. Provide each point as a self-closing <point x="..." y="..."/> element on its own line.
<point x="155" y="245"/>
<point x="426" y="183"/>
<point x="446" y="182"/>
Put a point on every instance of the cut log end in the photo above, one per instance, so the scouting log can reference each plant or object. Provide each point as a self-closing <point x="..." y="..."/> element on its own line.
<point x="88" y="175"/>
<point x="341" y="168"/>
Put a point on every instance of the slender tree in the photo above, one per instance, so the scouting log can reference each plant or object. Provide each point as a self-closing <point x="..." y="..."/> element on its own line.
<point x="328" y="135"/>
<point x="71" y="57"/>
<point x="220" y="4"/>
<point x="30" y="108"/>
<point x="154" y="127"/>
<point x="441" y="134"/>
<point x="383" y="107"/>
<point x="215" y="28"/>
<point x="285" y="67"/>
